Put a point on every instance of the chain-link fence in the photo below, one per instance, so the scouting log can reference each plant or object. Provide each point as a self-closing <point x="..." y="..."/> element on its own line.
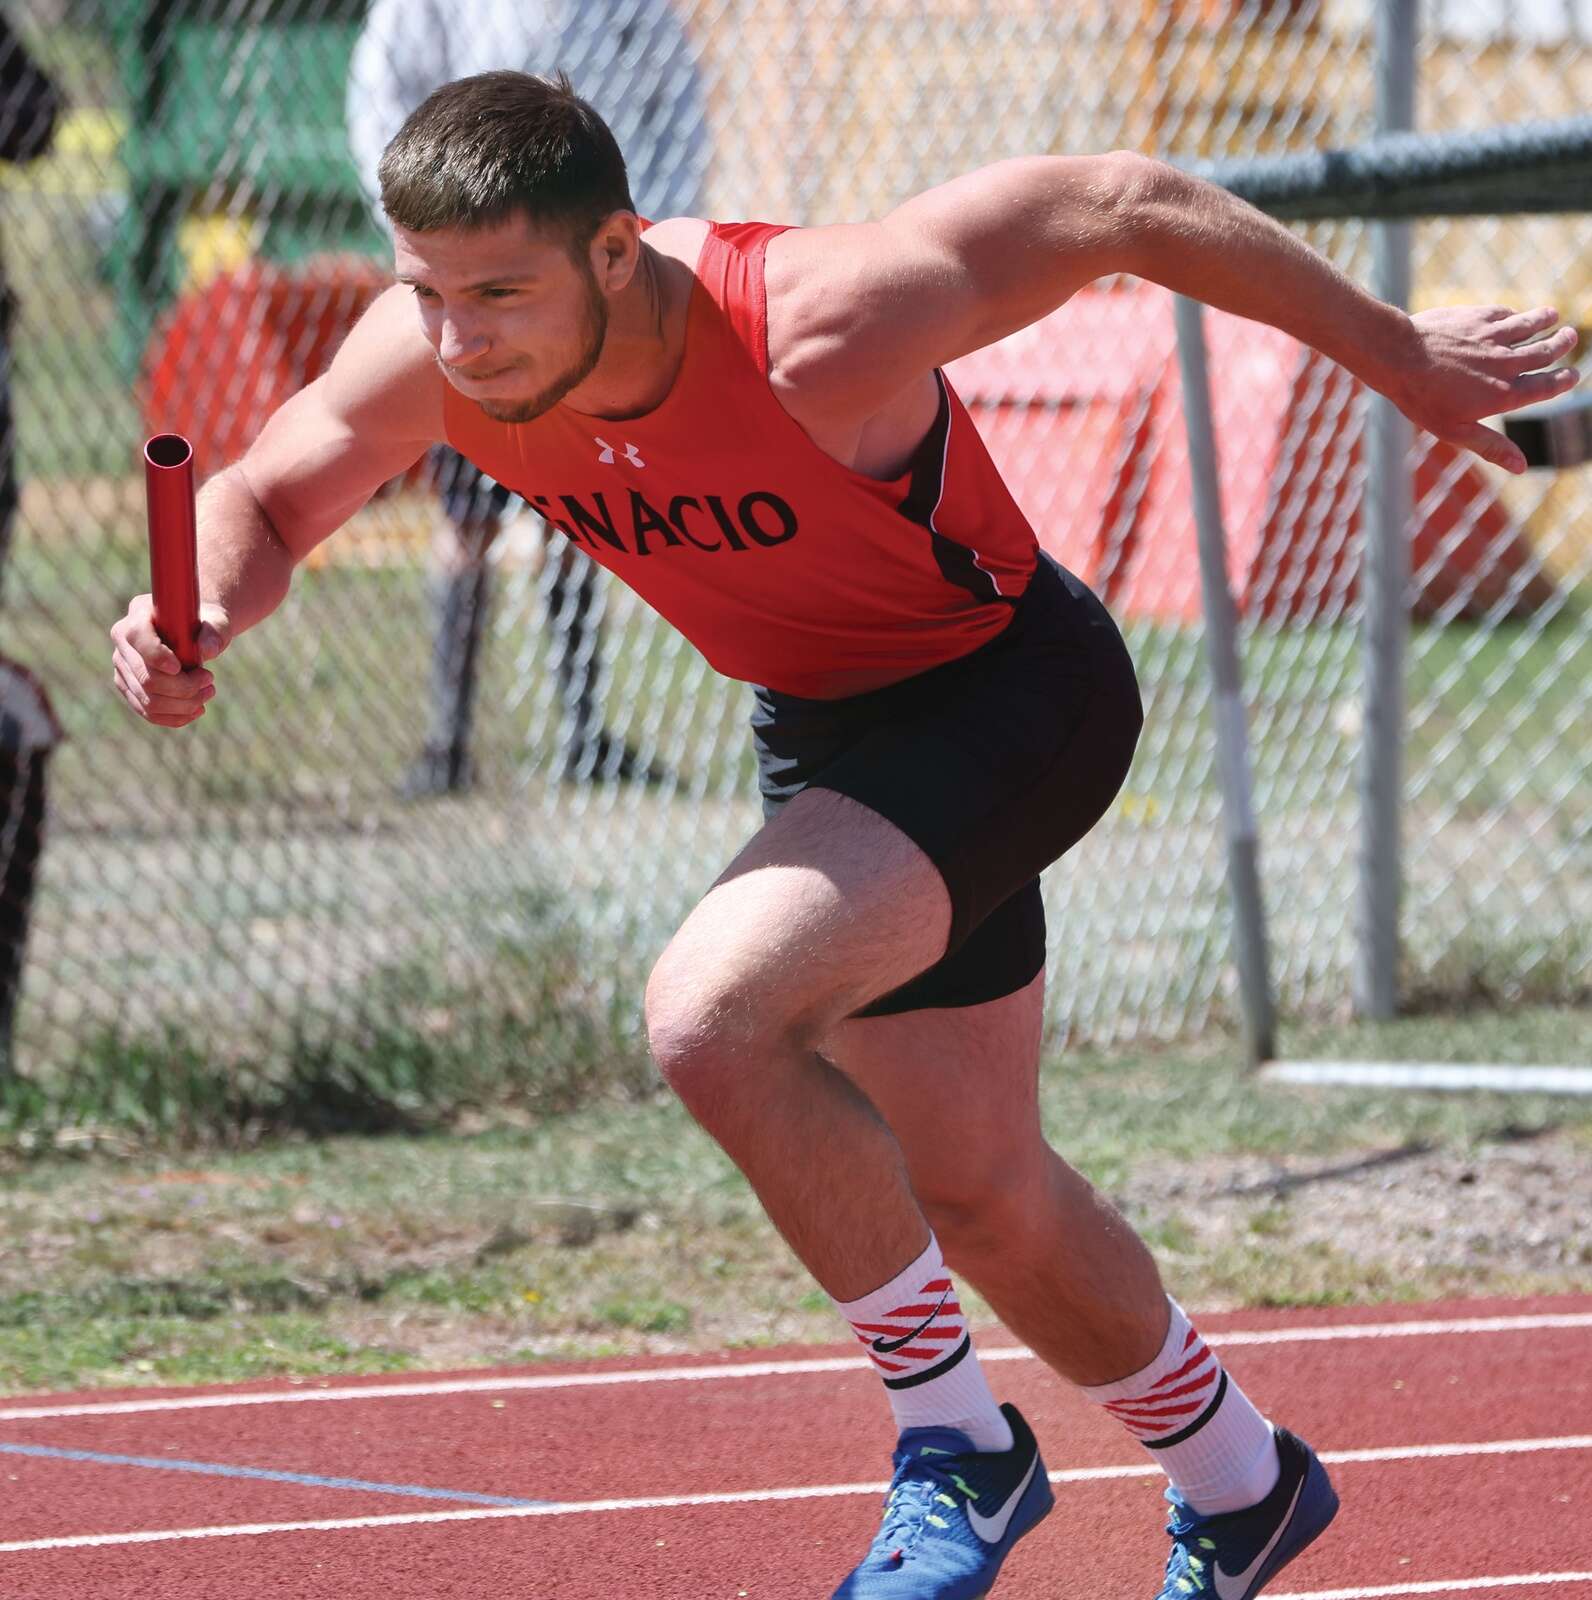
<point x="442" y="799"/>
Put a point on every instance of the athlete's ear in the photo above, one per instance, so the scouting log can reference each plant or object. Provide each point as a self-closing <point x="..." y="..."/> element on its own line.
<point x="615" y="250"/>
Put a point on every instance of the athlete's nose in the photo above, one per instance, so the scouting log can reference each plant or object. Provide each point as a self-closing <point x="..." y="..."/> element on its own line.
<point x="460" y="343"/>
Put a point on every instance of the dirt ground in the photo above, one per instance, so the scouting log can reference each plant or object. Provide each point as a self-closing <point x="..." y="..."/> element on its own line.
<point x="1513" y="1209"/>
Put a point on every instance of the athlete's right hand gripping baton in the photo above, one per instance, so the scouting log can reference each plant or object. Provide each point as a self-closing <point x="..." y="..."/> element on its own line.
<point x="173" y="543"/>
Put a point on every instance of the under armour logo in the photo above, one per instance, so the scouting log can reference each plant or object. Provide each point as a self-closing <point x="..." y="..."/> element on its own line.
<point x="606" y="454"/>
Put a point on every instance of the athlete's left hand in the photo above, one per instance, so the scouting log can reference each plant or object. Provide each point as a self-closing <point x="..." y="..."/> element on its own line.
<point x="1470" y="362"/>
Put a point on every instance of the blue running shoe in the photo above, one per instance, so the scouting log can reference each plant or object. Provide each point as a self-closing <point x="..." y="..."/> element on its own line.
<point x="1232" y="1555"/>
<point x="952" y="1515"/>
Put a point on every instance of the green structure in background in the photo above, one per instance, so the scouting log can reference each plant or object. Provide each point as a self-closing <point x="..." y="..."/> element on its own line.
<point x="235" y="111"/>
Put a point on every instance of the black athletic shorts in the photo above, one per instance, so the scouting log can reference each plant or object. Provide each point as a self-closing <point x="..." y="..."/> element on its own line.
<point x="993" y="765"/>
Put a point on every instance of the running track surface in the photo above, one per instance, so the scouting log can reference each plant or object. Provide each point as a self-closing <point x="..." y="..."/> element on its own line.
<point x="1460" y="1437"/>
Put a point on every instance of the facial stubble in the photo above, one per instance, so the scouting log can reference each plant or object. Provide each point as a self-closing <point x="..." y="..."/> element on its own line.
<point x="593" y="332"/>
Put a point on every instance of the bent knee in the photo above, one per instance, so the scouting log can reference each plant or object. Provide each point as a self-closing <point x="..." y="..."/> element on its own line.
<point x="705" y="1028"/>
<point x="684" y="1021"/>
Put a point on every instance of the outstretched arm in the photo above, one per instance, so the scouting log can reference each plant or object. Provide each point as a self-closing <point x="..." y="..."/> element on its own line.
<point x="961" y="266"/>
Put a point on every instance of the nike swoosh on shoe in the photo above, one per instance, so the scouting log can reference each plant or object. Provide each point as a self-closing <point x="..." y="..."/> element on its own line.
<point x="993" y="1529"/>
<point x="1235" y="1585"/>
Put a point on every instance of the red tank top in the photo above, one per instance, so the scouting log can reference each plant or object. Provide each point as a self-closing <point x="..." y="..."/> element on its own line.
<point x="782" y="566"/>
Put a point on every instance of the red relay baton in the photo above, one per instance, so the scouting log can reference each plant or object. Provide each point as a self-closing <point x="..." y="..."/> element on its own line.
<point x="173" y="543"/>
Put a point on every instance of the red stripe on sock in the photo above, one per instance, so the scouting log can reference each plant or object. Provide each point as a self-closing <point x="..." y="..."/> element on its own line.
<point x="1187" y="1367"/>
<point x="929" y="1308"/>
<point x="1142" y="1426"/>
<point x="1151" y="1402"/>
<point x="1144" y="1413"/>
<point x="896" y="1330"/>
<point x="1155" y="1397"/>
<point x="1149" y="1413"/>
<point x="893" y="1328"/>
<point x="954" y="1332"/>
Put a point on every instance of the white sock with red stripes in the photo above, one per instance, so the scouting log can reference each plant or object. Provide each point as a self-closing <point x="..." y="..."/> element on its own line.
<point x="917" y="1338"/>
<point x="1208" y="1438"/>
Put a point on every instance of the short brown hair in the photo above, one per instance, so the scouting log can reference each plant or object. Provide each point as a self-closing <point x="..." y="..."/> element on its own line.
<point x="478" y="149"/>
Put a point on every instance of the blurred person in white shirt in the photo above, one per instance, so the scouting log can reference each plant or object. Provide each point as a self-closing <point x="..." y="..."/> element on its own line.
<point x="633" y="60"/>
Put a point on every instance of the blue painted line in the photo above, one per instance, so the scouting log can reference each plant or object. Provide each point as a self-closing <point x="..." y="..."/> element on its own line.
<point x="218" y="1469"/>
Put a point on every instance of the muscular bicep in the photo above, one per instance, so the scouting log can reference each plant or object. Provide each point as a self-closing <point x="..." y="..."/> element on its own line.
<point x="871" y="306"/>
<point x="364" y="421"/>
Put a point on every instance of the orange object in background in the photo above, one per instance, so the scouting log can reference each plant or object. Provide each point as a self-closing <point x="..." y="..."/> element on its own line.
<point x="1083" y="414"/>
<point x="226" y="355"/>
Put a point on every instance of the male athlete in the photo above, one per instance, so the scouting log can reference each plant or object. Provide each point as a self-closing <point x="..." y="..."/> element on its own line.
<point x="750" y="426"/>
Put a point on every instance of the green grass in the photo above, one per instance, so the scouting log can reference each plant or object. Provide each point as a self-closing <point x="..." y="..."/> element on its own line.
<point x="1499" y="704"/>
<point x="48" y="1355"/>
<point x="621" y="1227"/>
<point x="521" y="1027"/>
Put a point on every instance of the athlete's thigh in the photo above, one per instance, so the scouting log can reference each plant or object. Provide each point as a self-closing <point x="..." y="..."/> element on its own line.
<point x="827" y="907"/>
<point x="958" y="1087"/>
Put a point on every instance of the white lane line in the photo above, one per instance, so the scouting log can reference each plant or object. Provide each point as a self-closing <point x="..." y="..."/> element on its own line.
<point x="1488" y="1447"/>
<point x="570" y="1508"/>
<point x="1439" y="1586"/>
<point x="759" y="1369"/>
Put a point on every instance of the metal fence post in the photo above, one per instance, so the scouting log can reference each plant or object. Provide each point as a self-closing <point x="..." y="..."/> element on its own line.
<point x="1385" y="618"/>
<point x="1232" y="744"/>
